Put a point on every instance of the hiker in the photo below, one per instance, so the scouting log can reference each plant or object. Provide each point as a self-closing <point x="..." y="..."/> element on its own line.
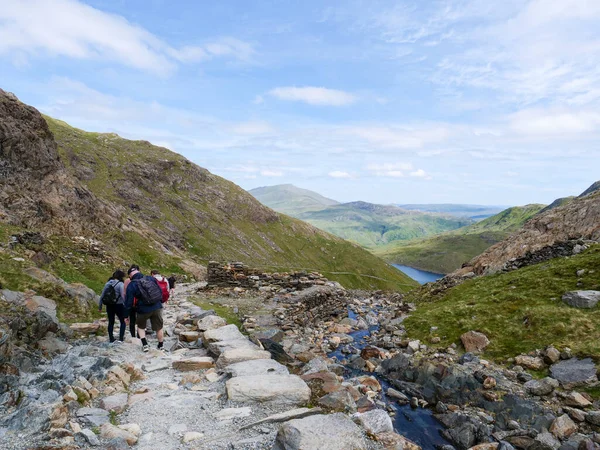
<point x="132" y="311"/>
<point x="113" y="297"/>
<point x="145" y="294"/>
<point x="171" y="281"/>
<point x="163" y="283"/>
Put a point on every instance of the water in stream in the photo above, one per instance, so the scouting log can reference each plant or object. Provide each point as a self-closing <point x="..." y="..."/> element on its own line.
<point x="420" y="276"/>
<point x="418" y="425"/>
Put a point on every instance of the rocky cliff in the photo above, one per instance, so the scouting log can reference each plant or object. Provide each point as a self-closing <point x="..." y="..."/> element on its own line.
<point x="575" y="220"/>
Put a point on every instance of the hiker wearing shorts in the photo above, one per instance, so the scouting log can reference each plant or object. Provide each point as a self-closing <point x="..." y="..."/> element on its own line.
<point x="144" y="293"/>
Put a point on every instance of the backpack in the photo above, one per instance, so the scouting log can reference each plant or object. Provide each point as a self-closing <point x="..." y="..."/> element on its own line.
<point x="164" y="287"/>
<point x="150" y="291"/>
<point x="110" y="296"/>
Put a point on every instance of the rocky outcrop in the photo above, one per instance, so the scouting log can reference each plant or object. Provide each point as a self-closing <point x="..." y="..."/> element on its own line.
<point x="36" y="190"/>
<point x="543" y="236"/>
<point x="581" y="299"/>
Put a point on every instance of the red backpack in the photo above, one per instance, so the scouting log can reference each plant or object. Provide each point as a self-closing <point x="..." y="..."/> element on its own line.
<point x="164" y="287"/>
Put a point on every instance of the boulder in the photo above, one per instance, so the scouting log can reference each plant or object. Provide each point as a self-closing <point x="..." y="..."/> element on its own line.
<point x="256" y="367"/>
<point x="109" y="431"/>
<point x="116" y="403"/>
<point x="237" y="355"/>
<point x="194" y="363"/>
<point x="189" y="336"/>
<point x="375" y="421"/>
<point x="338" y="401"/>
<point x="323" y="432"/>
<point x="530" y="362"/>
<point x="581" y="299"/>
<point x="544" y="386"/>
<point x="218" y="347"/>
<point x="576" y="399"/>
<point x="211" y="323"/>
<point x="85" y="327"/>
<point x="314" y="365"/>
<point x="474" y="342"/>
<point x="274" y="389"/>
<point x="593" y="417"/>
<point x="563" y="427"/>
<point x="226" y="333"/>
<point x="574" y="372"/>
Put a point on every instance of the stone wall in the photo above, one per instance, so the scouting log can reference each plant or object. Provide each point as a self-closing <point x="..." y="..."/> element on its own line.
<point x="559" y="249"/>
<point x="237" y="274"/>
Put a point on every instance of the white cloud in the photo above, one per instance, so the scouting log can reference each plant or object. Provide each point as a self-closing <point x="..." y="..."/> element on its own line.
<point x="420" y="173"/>
<point x="401" y="137"/>
<point x="253" y="127"/>
<point x="554" y="121"/>
<point x="394" y="170"/>
<point x="314" y="95"/>
<point x="271" y="173"/>
<point x="339" y="174"/>
<point x="76" y="30"/>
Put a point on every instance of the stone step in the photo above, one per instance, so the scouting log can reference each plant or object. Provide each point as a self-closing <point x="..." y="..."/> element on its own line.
<point x="274" y="389"/>
<point x="233" y="356"/>
<point x="256" y="367"/>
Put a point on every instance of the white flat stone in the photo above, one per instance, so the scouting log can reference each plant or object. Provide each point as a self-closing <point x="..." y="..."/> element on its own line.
<point x="226" y="333"/>
<point x="240" y="354"/>
<point x="256" y="367"/>
<point x="216" y="348"/>
<point x="274" y="389"/>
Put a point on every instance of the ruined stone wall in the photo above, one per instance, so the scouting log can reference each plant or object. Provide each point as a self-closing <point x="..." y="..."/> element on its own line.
<point x="237" y="274"/>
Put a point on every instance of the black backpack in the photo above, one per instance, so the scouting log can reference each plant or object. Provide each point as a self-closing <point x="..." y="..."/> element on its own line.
<point x="110" y="296"/>
<point x="150" y="291"/>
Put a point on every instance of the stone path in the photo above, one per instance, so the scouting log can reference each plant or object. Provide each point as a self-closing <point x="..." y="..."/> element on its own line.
<point x="220" y="392"/>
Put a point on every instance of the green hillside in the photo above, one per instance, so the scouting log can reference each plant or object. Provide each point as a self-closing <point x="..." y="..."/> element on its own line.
<point x="291" y="200"/>
<point x="519" y="311"/>
<point x="172" y="210"/>
<point x="448" y="251"/>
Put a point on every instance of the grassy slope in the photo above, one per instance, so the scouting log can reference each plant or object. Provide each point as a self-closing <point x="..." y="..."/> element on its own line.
<point x="447" y="252"/>
<point x="291" y="200"/>
<point x="198" y="215"/>
<point x="519" y="311"/>
<point x="372" y="225"/>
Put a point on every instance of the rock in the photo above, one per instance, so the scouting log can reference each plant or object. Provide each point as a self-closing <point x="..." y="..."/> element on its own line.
<point x="395" y="441"/>
<point x="52" y="345"/>
<point x="189" y="336"/>
<point x="85" y="328"/>
<point x="314" y="365"/>
<point x="330" y="432"/>
<point x="275" y="389"/>
<point x="375" y="421"/>
<point x="226" y="333"/>
<point x="232" y="413"/>
<point x="474" y="342"/>
<point x="398" y="396"/>
<point x="216" y="348"/>
<point x="489" y="383"/>
<point x="116" y="444"/>
<point x="593" y="417"/>
<point x="575" y="414"/>
<point x="545" y="441"/>
<point x="576" y="399"/>
<point x="89" y="436"/>
<point x="544" y="386"/>
<point x="94" y="416"/>
<point x="229" y="357"/>
<point x="194" y="363"/>
<point x="551" y="355"/>
<point x="155" y="365"/>
<point x="573" y="372"/>
<point x="137" y="398"/>
<point x="211" y="323"/>
<point x="338" y="401"/>
<point x="116" y="403"/>
<point x="486" y="446"/>
<point x="256" y="367"/>
<point x="132" y="428"/>
<point x="191" y="436"/>
<point x="581" y="299"/>
<point x="563" y="427"/>
<point x="530" y="362"/>
<point x="109" y="431"/>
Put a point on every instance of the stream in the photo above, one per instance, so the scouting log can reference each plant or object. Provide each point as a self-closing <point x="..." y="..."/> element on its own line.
<point x="418" y="425"/>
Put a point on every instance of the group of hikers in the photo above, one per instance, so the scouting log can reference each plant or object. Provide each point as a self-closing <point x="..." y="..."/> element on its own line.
<point x="136" y="300"/>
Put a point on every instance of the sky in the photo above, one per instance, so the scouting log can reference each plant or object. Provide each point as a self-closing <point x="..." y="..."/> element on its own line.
<point x="454" y="101"/>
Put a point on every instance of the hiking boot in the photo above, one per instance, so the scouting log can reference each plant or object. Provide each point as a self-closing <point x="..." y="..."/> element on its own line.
<point x="146" y="348"/>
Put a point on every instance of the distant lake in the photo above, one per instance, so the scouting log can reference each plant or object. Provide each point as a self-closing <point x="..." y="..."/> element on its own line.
<point x="421" y="276"/>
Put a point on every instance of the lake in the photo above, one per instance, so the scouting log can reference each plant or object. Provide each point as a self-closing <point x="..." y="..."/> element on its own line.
<point x="421" y="276"/>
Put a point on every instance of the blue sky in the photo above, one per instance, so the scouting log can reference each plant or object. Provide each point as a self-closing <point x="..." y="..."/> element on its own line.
<point x="384" y="101"/>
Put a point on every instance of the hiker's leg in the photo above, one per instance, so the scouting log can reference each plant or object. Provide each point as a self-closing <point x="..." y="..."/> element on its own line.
<point x="160" y="335"/>
<point x="141" y="322"/>
<point x="157" y="325"/>
<point x="132" y="317"/>
<point x="110" y="311"/>
<point x="120" y="309"/>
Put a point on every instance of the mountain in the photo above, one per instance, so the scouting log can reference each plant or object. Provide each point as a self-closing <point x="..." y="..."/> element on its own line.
<point x="291" y="200"/>
<point x="79" y="204"/>
<point x="372" y="225"/>
<point x="575" y="219"/>
<point x="475" y="212"/>
<point x="448" y="251"/>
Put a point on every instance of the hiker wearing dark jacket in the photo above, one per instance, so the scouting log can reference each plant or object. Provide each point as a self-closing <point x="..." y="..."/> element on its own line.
<point x="144" y="311"/>
<point x="118" y="307"/>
